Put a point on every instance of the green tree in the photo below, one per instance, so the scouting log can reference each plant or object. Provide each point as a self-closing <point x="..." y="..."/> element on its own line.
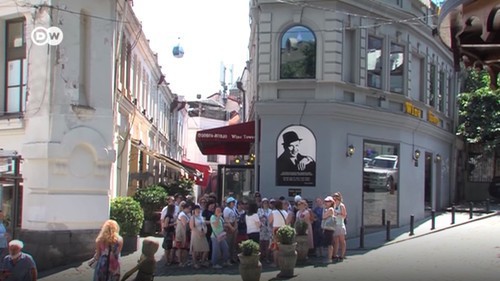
<point x="479" y="111"/>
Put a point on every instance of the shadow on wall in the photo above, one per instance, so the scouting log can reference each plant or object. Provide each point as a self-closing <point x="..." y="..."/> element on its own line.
<point x="52" y="249"/>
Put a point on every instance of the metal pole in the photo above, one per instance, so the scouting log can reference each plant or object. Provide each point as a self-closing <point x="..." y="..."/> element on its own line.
<point x="412" y="225"/>
<point x="488" y="205"/>
<point x="453" y="215"/>
<point x="388" y="231"/>
<point x="433" y="219"/>
<point x="383" y="216"/>
<point x="362" y="238"/>
<point x="471" y="206"/>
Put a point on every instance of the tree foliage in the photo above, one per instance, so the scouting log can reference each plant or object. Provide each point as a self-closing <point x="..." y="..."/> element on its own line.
<point x="479" y="111"/>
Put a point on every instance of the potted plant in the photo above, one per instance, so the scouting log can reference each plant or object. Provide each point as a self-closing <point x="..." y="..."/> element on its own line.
<point x="302" y="240"/>
<point x="151" y="199"/>
<point x="287" y="255"/>
<point x="250" y="266"/>
<point x="129" y="215"/>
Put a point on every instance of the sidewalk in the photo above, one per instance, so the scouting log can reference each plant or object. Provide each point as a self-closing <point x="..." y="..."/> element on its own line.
<point x="371" y="241"/>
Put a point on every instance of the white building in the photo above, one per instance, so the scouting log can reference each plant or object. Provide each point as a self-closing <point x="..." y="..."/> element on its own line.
<point x="63" y="113"/>
<point x="362" y="75"/>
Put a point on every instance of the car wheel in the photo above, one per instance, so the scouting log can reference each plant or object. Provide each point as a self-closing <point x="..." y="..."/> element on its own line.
<point x="390" y="183"/>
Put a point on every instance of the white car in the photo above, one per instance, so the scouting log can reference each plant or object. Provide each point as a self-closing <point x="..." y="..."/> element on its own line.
<point x="381" y="173"/>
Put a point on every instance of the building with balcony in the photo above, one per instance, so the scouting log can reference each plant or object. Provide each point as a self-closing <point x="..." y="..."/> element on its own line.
<point x="343" y="82"/>
<point x="82" y="120"/>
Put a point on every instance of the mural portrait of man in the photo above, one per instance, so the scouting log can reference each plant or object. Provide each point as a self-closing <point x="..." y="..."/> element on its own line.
<point x="293" y="167"/>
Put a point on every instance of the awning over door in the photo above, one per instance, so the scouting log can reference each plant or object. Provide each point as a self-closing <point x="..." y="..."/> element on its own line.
<point x="164" y="159"/>
<point x="205" y="170"/>
<point x="229" y="140"/>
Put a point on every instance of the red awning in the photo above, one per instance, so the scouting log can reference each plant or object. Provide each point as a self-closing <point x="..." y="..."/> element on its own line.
<point x="229" y="140"/>
<point x="205" y="169"/>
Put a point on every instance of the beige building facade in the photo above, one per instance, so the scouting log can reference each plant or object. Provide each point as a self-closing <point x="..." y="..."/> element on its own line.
<point x="88" y="117"/>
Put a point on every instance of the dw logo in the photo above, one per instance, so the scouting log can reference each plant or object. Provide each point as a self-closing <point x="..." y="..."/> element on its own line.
<point x="52" y="36"/>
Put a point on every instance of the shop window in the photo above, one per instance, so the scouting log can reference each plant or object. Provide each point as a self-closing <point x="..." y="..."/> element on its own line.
<point x="298" y="53"/>
<point x="397" y="64"/>
<point x="16" y="67"/>
<point x="375" y="62"/>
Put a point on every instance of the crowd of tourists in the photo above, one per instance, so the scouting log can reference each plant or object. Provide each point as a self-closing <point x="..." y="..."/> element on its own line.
<point x="207" y="234"/>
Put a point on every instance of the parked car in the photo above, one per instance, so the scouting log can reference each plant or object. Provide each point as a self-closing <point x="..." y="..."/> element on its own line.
<point x="381" y="173"/>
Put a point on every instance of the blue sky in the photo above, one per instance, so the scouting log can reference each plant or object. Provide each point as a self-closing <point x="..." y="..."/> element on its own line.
<point x="211" y="33"/>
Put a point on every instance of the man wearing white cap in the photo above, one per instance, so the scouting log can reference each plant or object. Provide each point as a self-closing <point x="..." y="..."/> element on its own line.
<point x="18" y="266"/>
<point x="230" y="226"/>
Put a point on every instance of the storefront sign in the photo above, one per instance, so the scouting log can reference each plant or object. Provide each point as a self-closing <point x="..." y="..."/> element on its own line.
<point x="432" y="118"/>
<point x="413" y="110"/>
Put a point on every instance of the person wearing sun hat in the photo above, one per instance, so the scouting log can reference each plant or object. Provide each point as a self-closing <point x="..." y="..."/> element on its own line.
<point x="328" y="211"/>
<point x="230" y="226"/>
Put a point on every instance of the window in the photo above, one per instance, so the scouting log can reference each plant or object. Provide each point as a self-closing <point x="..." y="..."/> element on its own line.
<point x="298" y="54"/>
<point x="431" y="98"/>
<point x="397" y="65"/>
<point x="16" y="67"/>
<point x="442" y="92"/>
<point x="374" y="60"/>
<point x="417" y="77"/>
<point x="212" y="158"/>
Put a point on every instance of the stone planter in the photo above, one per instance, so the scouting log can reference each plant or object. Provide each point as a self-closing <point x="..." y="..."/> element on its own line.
<point x="302" y="248"/>
<point x="129" y="244"/>
<point x="287" y="258"/>
<point x="148" y="227"/>
<point x="250" y="267"/>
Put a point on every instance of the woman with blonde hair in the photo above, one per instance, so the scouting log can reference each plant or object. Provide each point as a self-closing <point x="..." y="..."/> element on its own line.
<point x="340" y="213"/>
<point x="109" y="245"/>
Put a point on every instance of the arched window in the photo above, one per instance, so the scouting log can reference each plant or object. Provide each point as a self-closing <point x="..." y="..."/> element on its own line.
<point x="298" y="53"/>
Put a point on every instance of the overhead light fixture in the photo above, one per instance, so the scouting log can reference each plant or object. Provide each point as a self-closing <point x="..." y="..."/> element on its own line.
<point x="350" y="151"/>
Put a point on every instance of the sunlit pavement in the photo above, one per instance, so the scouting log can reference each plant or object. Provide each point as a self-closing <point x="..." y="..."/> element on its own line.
<point x="314" y="268"/>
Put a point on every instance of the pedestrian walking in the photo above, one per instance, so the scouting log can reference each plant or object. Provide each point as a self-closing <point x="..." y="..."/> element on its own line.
<point x="108" y="245"/>
<point x="182" y="235"/>
<point x="17" y="265"/>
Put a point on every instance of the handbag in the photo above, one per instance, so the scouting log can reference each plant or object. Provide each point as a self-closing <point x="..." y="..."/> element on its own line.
<point x="328" y="223"/>
<point x="221" y="236"/>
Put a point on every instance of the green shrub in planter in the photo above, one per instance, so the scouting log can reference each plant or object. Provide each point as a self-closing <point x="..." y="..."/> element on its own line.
<point x="286" y="235"/>
<point x="152" y="199"/>
<point x="249" y="247"/>
<point x="128" y="214"/>
<point x="301" y="227"/>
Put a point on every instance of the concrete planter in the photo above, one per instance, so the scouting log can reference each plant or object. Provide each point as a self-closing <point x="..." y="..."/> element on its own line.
<point x="130" y="244"/>
<point x="302" y="248"/>
<point x="287" y="258"/>
<point x="250" y="267"/>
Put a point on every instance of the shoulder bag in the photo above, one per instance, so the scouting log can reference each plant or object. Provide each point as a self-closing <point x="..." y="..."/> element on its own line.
<point x="328" y="223"/>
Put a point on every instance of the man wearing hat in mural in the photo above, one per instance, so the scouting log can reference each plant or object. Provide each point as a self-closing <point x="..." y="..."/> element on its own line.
<point x="291" y="160"/>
